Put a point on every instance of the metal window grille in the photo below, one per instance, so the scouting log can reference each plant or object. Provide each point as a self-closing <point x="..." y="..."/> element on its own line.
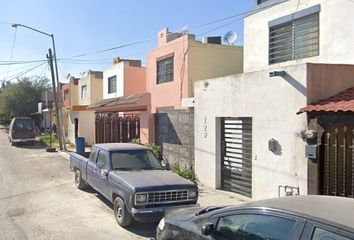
<point x="112" y="84"/>
<point x="165" y="70"/>
<point x="293" y="40"/>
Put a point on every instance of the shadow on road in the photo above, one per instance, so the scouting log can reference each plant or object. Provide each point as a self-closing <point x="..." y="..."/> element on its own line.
<point x="35" y="145"/>
<point x="143" y="229"/>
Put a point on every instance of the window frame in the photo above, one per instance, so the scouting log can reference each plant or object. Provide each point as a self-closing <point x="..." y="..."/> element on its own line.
<point x="111" y="85"/>
<point x="312" y="225"/>
<point x="107" y="167"/>
<point x="84" y="87"/>
<point x="299" y="222"/>
<point x="168" y="72"/>
<point x="283" y="34"/>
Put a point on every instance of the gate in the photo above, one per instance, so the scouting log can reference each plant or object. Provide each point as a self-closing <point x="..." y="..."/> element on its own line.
<point x="337" y="165"/>
<point x="113" y="127"/>
<point x="236" y="165"/>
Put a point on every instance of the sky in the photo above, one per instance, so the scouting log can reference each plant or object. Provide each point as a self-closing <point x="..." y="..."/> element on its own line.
<point x="85" y="27"/>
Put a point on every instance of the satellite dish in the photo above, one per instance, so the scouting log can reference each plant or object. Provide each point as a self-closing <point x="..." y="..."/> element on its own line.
<point x="184" y="29"/>
<point x="230" y="37"/>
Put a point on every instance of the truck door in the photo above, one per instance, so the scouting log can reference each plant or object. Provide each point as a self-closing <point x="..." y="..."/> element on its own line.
<point x="100" y="173"/>
<point x="91" y="165"/>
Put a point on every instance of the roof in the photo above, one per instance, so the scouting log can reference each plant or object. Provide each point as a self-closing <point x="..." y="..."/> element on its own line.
<point x="343" y="101"/>
<point x="135" y="102"/>
<point x="338" y="210"/>
<point x="120" y="146"/>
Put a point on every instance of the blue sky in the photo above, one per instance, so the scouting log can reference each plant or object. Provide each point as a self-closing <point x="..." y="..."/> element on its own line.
<point x="82" y="27"/>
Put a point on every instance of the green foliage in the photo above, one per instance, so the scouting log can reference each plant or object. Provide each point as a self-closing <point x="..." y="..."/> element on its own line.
<point x="156" y="149"/>
<point x="45" y="138"/>
<point x="21" y="98"/>
<point x="183" y="172"/>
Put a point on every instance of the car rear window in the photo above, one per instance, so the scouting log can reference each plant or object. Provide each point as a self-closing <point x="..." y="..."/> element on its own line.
<point x="23" y="124"/>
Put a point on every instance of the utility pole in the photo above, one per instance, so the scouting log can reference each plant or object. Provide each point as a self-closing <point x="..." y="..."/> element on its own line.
<point x="50" y="57"/>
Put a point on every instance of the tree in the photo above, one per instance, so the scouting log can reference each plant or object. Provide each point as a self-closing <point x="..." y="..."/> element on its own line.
<point x="21" y="98"/>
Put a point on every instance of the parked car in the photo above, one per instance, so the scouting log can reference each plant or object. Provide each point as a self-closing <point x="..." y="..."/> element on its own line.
<point x="22" y="130"/>
<point x="297" y="217"/>
<point x="131" y="177"/>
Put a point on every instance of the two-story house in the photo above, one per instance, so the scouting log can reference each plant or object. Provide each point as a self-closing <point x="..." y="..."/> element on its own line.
<point x="173" y="66"/>
<point x="120" y="115"/>
<point x="253" y="136"/>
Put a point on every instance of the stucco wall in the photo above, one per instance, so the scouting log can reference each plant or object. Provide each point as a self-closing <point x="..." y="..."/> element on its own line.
<point x="212" y="60"/>
<point x="71" y="125"/>
<point x="87" y="126"/>
<point x="118" y="71"/>
<point x="336" y="39"/>
<point x="134" y="80"/>
<point x="94" y="90"/>
<point x="272" y="103"/>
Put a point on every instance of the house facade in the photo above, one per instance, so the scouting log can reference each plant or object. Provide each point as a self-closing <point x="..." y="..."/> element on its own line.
<point x="249" y="137"/>
<point x="120" y="115"/>
<point x="178" y="61"/>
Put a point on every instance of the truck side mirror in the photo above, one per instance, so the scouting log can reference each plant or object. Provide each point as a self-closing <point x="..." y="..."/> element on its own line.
<point x="207" y="229"/>
<point x="99" y="165"/>
<point x="165" y="165"/>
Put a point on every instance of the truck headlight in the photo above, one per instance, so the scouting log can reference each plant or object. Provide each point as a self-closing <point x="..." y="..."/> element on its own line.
<point x="192" y="193"/>
<point x="140" y="198"/>
<point x="161" y="224"/>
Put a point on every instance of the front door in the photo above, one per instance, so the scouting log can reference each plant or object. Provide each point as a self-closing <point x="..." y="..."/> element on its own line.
<point x="76" y="122"/>
<point x="236" y="159"/>
<point x="337" y="161"/>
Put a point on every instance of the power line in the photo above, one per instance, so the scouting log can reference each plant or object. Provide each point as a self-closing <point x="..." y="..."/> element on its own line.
<point x="16" y="76"/>
<point x="196" y="27"/>
<point x="5" y="63"/>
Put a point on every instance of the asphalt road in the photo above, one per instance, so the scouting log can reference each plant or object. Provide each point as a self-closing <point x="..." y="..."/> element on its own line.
<point x="38" y="200"/>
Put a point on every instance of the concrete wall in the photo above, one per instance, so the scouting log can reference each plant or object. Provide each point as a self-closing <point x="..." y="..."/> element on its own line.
<point x="272" y="103"/>
<point x="336" y="38"/>
<point x="175" y="135"/>
<point x="87" y="126"/>
<point x="118" y="71"/>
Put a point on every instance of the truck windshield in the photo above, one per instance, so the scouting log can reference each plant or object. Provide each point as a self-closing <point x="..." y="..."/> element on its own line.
<point x="134" y="160"/>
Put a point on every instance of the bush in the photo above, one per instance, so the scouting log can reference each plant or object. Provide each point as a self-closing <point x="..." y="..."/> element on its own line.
<point x="183" y="172"/>
<point x="45" y="138"/>
<point x="156" y="149"/>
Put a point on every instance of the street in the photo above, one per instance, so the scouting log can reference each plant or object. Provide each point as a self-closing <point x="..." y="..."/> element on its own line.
<point x="38" y="200"/>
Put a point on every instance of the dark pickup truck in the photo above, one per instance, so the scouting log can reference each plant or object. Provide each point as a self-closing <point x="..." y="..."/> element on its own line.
<point x="131" y="177"/>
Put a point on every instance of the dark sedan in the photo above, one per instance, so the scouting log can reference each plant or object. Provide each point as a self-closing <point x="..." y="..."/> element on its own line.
<point x="298" y="217"/>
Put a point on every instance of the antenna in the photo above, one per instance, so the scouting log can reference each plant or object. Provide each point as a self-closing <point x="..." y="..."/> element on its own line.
<point x="184" y="29"/>
<point x="230" y="37"/>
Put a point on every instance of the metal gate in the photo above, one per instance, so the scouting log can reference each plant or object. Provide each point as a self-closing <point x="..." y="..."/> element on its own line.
<point x="236" y="156"/>
<point x="337" y="165"/>
<point x="112" y="127"/>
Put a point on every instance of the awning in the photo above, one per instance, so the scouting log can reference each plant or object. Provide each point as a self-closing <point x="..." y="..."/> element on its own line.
<point x="343" y="101"/>
<point x="135" y="102"/>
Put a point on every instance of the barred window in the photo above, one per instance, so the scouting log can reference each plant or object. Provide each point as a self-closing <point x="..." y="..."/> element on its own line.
<point x="164" y="70"/>
<point x="295" y="39"/>
<point x="112" y="84"/>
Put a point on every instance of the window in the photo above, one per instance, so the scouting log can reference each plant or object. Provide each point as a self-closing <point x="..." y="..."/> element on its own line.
<point x="134" y="160"/>
<point x="164" y="70"/>
<point x="320" y="234"/>
<point x="261" y="1"/>
<point x="83" y="91"/>
<point x="294" y="39"/>
<point x="102" y="159"/>
<point x="255" y="226"/>
<point x="112" y="84"/>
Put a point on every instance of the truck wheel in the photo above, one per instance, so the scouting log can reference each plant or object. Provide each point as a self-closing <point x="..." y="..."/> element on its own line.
<point x="121" y="213"/>
<point x="79" y="182"/>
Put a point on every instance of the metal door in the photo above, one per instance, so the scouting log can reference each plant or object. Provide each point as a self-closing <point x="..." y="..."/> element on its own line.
<point x="337" y="165"/>
<point x="236" y="156"/>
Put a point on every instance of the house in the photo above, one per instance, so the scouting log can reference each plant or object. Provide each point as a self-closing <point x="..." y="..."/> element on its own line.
<point x="46" y="112"/>
<point x="119" y="115"/>
<point x="266" y="133"/>
<point x="172" y="68"/>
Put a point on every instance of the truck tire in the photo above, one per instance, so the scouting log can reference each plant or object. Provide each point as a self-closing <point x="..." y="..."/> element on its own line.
<point x="79" y="182"/>
<point x="121" y="213"/>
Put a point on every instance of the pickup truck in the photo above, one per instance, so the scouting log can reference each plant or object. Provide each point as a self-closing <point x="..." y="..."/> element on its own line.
<point x="131" y="177"/>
